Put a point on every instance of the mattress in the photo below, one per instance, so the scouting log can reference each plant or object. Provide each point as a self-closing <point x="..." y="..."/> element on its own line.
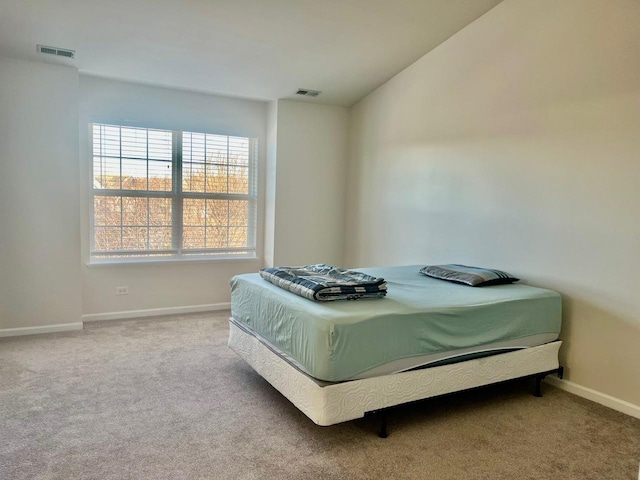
<point x="420" y="321"/>
<point x="329" y="403"/>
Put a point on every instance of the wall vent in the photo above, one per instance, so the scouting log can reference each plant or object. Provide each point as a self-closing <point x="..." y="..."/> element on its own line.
<point x="308" y="93"/>
<point x="60" y="52"/>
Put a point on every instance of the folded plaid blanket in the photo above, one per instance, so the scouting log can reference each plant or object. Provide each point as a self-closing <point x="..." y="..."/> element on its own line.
<point x="324" y="283"/>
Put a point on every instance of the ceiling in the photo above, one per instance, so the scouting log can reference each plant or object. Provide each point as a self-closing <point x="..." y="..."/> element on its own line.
<point x="262" y="49"/>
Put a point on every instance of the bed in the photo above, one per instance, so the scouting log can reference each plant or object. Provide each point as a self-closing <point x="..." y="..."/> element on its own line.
<point x="337" y="361"/>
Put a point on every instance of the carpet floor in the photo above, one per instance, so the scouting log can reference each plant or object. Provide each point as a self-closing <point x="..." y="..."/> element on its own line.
<point x="165" y="398"/>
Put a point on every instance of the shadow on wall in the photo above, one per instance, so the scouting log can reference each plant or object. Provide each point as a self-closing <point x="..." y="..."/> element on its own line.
<point x="587" y="328"/>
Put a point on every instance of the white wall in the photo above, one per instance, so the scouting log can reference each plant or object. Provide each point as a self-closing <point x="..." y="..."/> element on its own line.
<point x="516" y="145"/>
<point x="309" y="193"/>
<point x="39" y="196"/>
<point x="270" y="183"/>
<point x="45" y="244"/>
<point x="171" y="284"/>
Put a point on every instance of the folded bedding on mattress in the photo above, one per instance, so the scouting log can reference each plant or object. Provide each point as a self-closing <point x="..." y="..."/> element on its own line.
<point x="325" y="283"/>
<point x="336" y="341"/>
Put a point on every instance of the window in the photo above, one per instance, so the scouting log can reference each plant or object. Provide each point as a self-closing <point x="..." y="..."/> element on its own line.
<point x="172" y="194"/>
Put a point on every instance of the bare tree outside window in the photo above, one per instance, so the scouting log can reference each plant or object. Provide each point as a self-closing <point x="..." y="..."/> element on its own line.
<point x="162" y="193"/>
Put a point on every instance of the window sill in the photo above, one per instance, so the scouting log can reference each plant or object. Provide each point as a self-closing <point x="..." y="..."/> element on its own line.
<point x="167" y="261"/>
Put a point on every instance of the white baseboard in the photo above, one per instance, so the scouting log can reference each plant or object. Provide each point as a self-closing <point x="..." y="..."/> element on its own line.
<point x="595" y="396"/>
<point x="61" y="327"/>
<point x="153" y="312"/>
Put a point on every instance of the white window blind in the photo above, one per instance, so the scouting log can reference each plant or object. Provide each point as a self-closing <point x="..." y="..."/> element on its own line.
<point x="171" y="194"/>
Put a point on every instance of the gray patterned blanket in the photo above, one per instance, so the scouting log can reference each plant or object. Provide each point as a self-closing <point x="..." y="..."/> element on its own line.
<point x="325" y="283"/>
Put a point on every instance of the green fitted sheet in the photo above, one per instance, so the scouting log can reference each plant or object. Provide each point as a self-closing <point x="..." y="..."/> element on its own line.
<point x="335" y="341"/>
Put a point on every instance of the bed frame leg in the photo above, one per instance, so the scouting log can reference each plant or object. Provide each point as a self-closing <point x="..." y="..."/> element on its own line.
<point x="382" y="433"/>
<point x="539" y="378"/>
<point x="538" y="391"/>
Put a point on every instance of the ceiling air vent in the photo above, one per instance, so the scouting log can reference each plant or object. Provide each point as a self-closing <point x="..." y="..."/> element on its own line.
<point x="60" y="52"/>
<point x="308" y="93"/>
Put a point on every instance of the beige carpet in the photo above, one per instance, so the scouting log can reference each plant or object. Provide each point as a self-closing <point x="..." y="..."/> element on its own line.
<point x="165" y="398"/>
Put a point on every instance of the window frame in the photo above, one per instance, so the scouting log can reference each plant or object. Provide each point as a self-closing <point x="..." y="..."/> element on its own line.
<point x="177" y="253"/>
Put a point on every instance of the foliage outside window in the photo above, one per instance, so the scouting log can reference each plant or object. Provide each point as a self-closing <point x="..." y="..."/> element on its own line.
<point x="172" y="194"/>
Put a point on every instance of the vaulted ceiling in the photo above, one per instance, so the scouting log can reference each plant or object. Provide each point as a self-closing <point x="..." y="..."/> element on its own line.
<point x="263" y="49"/>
